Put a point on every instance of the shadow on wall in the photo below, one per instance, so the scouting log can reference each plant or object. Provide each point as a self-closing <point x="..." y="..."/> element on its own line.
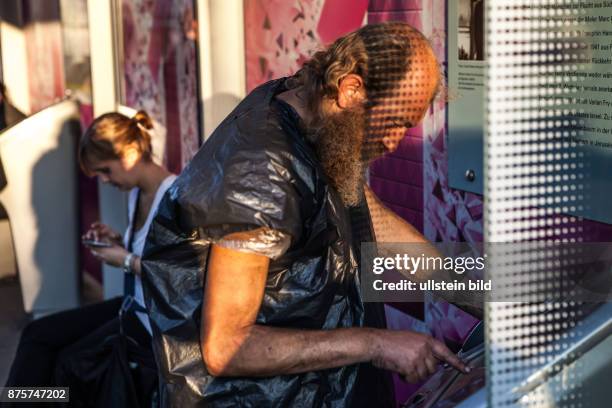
<point x="54" y="196"/>
<point x="40" y="198"/>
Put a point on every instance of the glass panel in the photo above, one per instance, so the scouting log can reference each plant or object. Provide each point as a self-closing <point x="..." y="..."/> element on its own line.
<point x="77" y="66"/>
<point x="158" y="70"/>
<point x="542" y="339"/>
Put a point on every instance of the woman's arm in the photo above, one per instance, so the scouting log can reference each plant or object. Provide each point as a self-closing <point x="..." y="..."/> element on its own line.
<point x="115" y="256"/>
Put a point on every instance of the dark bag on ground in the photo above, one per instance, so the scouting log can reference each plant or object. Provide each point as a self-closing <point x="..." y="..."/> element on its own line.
<point x="117" y="372"/>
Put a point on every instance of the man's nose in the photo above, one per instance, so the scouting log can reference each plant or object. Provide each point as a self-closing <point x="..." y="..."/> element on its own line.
<point x="392" y="141"/>
<point x="393" y="147"/>
<point x="104" y="178"/>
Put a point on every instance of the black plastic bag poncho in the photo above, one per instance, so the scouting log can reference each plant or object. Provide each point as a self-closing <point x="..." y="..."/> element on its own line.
<point x="255" y="171"/>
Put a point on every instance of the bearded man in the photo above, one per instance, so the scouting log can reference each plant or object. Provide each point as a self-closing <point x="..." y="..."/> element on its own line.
<point x="250" y="268"/>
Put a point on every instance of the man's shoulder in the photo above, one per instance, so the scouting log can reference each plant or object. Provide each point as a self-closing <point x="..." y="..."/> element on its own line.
<point x="259" y="118"/>
<point x="259" y="128"/>
<point x="256" y="105"/>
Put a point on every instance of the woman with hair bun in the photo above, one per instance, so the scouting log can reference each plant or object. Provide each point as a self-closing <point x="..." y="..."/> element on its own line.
<point x="117" y="150"/>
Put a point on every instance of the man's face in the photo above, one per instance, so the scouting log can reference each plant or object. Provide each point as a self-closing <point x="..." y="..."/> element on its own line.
<point x="347" y="141"/>
<point x="391" y="116"/>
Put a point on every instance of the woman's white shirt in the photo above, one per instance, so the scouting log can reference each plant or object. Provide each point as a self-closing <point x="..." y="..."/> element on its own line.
<point x="138" y="240"/>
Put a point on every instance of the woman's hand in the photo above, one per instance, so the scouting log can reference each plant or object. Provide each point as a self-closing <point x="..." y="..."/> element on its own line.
<point x="114" y="255"/>
<point x="102" y="232"/>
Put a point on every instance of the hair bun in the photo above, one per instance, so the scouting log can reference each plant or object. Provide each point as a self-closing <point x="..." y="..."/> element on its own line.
<point x="143" y="119"/>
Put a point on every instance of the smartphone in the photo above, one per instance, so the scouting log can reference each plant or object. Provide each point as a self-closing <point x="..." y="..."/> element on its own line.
<point x="96" y="244"/>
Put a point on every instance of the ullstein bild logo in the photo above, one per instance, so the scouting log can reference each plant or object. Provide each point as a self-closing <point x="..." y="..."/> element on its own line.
<point x="432" y="285"/>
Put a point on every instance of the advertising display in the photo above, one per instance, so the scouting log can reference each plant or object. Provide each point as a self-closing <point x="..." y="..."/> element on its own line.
<point x="466" y="84"/>
<point x="590" y="101"/>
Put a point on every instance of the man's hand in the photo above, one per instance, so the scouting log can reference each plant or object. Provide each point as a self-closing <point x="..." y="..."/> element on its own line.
<point x="414" y="356"/>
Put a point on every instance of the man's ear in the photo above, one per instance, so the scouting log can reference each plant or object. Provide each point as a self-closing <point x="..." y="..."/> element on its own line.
<point x="351" y="91"/>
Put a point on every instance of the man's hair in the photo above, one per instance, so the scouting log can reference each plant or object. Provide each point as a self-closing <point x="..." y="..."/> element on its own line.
<point x="381" y="54"/>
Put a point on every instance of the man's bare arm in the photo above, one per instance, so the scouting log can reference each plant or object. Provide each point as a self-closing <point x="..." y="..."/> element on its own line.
<point x="391" y="228"/>
<point x="233" y="345"/>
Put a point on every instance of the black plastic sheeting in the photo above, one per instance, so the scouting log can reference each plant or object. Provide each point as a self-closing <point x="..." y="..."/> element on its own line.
<point x="255" y="171"/>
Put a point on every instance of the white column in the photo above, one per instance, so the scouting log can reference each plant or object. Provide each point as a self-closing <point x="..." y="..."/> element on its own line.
<point x="105" y="96"/>
<point x="222" y="58"/>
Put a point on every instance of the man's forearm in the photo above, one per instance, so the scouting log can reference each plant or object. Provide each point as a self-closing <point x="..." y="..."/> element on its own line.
<point x="388" y="226"/>
<point x="391" y="228"/>
<point x="232" y="344"/>
<point x="260" y="351"/>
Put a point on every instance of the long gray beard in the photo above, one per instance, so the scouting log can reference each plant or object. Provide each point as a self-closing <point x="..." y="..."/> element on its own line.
<point x="338" y="143"/>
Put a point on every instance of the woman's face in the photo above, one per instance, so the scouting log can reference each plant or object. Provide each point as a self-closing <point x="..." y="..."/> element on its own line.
<point x="114" y="172"/>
